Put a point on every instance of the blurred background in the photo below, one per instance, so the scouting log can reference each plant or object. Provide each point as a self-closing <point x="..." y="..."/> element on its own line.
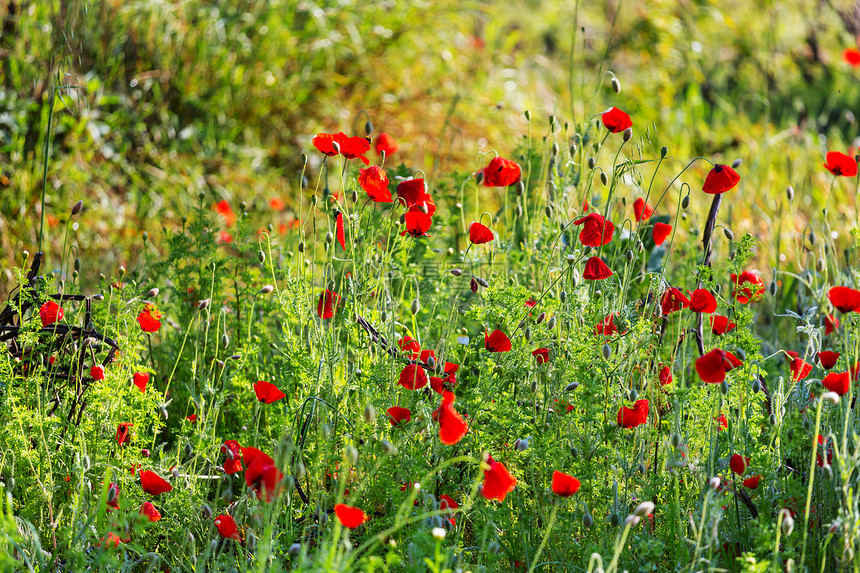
<point x="153" y="103"/>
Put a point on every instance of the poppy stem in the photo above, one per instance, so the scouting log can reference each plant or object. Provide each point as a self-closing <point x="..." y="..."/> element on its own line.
<point x="545" y="538"/>
<point x="706" y="261"/>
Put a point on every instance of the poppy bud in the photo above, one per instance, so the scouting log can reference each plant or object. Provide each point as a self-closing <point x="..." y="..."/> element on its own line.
<point x="831" y="397"/>
<point x="729" y="235"/>
<point x="614" y="518"/>
<point x="369" y="413"/>
<point x="616" y="85"/>
<point x="574" y="452"/>
<point x="787" y="522"/>
<point x="540" y="318"/>
<point x="555" y="148"/>
<point x="663" y="152"/>
<point x="591" y="162"/>
<point x="111" y="493"/>
<point x="203" y="304"/>
<point x="175" y="473"/>
<point x="482" y="282"/>
<point x="206" y="512"/>
<point x="548" y="211"/>
<point x="329" y="238"/>
<point x="604" y="178"/>
<point x="294" y="549"/>
<point x="473" y="285"/>
<point x="493" y="548"/>
<point x="724" y="387"/>
<point x="811" y="237"/>
<point x="756" y="386"/>
<point x="388" y="448"/>
<point x="789" y="192"/>
<point x="383" y="316"/>
<point x="527" y="334"/>
<point x="628" y="133"/>
<point x="76" y="208"/>
<point x="479" y="177"/>
<point x="163" y="411"/>
<point x="714" y="483"/>
<point x="632" y="521"/>
<point x="533" y="387"/>
<point x="368" y="127"/>
<point x="267" y="289"/>
<point x="225" y="340"/>
<point x="301" y="246"/>
<point x="550" y="324"/>
<point x="606" y="351"/>
<point x="820" y="265"/>
<point x="827" y="470"/>
<point x="189" y="450"/>
<point x="521" y="445"/>
<point x="144" y="452"/>
<point x="220" y="363"/>
<point x="552" y="123"/>
<point x="314" y="199"/>
<point x="261" y="256"/>
<point x="519" y="210"/>
<point x="571" y="387"/>
<point x="351" y="454"/>
<point x="416" y="306"/>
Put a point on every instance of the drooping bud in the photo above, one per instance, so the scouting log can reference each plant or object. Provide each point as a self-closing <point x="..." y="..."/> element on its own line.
<point x="628" y="133"/>
<point x="616" y="85"/>
<point x="76" y="208"/>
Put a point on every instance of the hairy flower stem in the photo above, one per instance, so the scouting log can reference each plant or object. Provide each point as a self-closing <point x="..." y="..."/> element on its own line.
<point x="811" y="478"/>
<point x="540" y="549"/>
<point x="706" y="261"/>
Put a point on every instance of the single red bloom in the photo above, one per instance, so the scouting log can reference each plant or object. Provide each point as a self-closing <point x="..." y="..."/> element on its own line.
<point x="838" y="382"/>
<point x="324" y="142"/>
<point x="386" y="144"/>
<point x="191" y="418"/>
<point x="745" y="293"/>
<point x="722" y="422"/>
<point x="97" y="372"/>
<point x="350" y="517"/>
<point x="409" y="344"/>
<point x="427" y="354"/>
<point x="720" y="179"/>
<point x="853" y="371"/>
<point x="530" y="303"/>
<point x="665" y="376"/>
<point x="712" y="366"/>
<point x="752" y="481"/>
<point x="233" y="451"/>
<point x="839" y="163"/>
<point x="851" y="56"/>
<point x="417" y="224"/>
<point x="355" y="147"/>
<point x="845" y="299"/>
<point x="226" y="526"/>
<point x="661" y="232"/>
<point x="261" y="474"/>
<point x="596" y="270"/>
<point x="606" y="327"/>
<point x="673" y="300"/>
<point x="149" y="319"/>
<point x="564" y="485"/>
<point x="449" y="381"/>
<point x="616" y="120"/>
<point x="140" y="379"/>
<point x="122" y="433"/>
<point x="596" y="230"/>
<point x="413" y="377"/>
<point x="702" y="301"/>
<point x="800" y="369"/>
<point x="721" y="324"/>
<point x="739" y="464"/>
<point x="498" y="481"/>
<point x="374" y="181"/>
<point x="413" y="192"/>
<point x="480" y="234"/>
<point x="818" y="460"/>
<point x="501" y="173"/>
<point x="153" y="484"/>
<point x="496" y="341"/>
<point x="224" y="237"/>
<point x="327" y="304"/>
<point x="277" y="204"/>
<point x="341" y="234"/>
<point x="49" y="313"/>
<point x="831" y="323"/>
<point x="641" y="209"/>
<point x="267" y="392"/>
<point x="828" y="359"/>
<point x="635" y="416"/>
<point x="223" y="208"/>
<point x="148" y="510"/>
<point x="541" y="355"/>
<point x="398" y="415"/>
<point x="112" y="540"/>
<point x="452" y="427"/>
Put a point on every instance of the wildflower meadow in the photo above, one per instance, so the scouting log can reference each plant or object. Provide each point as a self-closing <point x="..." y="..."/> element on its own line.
<point x="416" y="286"/>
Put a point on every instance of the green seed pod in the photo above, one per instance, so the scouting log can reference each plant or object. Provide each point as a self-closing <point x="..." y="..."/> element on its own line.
<point x="592" y="162"/>
<point x="555" y="148"/>
<point x="685" y="202"/>
<point x="574" y="452"/>
<point x="552" y="123"/>
<point x="416" y="306"/>
<point x="614" y="519"/>
<point x="616" y="85"/>
<point x="587" y="520"/>
<point x="627" y="135"/>
<point x="528" y="115"/>
<point x="550" y="324"/>
<point x="729" y="235"/>
<point x="756" y="386"/>
<point x="527" y="334"/>
<point x="548" y="211"/>
<point x="329" y="238"/>
<point x="607" y="352"/>
<point x="663" y="152"/>
<point x="604" y="178"/>
<point x="563" y="296"/>
<point x="724" y="387"/>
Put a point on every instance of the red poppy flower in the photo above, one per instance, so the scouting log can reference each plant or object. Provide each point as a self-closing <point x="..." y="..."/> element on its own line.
<point x="851" y="56"/>
<point x="541" y="355"/>
<point x="355" y="147"/>
<point x="828" y="359"/>
<point x="233" y="451"/>
<point x="596" y="230"/>
<point x="140" y="379"/>
<point x="800" y="369"/>
<point x="665" y="376"/>
<point x="722" y="422"/>
<point x="409" y="344"/>
<point x="496" y="341"/>
<point x="673" y="300"/>
<point x="452" y="427"/>
<point x="417" y="224"/>
<point x="386" y="144"/>
<point x="635" y="416"/>
<point x="720" y="179"/>
<point x="498" y="481"/>
<point x="752" y="481"/>
<point x="122" y="433"/>
<point x="226" y="526"/>
<point x="853" y="371"/>
<point x="350" y="517"/>
<point x="192" y="418"/>
<point x="148" y="510"/>
<point x="153" y="484"/>
<point x="838" y="382"/>
<point x="564" y="485"/>
<point x="339" y="231"/>
<point x="112" y="540"/>
<point x="845" y="299"/>
<point x="277" y="204"/>
<point x="480" y="234"/>
<point x="413" y="377"/>
<point x="831" y="323"/>
<point x="149" y="319"/>
<point x="739" y="464"/>
<point x="702" y="301"/>
<point x="446" y="502"/>
<point x="818" y="460"/>
<point x="501" y="173"/>
<point x="530" y="303"/>
<point x="324" y="142"/>
<point x="267" y="392"/>
<point x="327" y="304"/>
<point x="661" y="232"/>
<point x="596" y="270"/>
<point x="261" y="474"/>
<point x="616" y="120"/>
<point x="97" y="372"/>
<point x="374" y="181"/>
<point x="745" y="293"/>
<point x="721" y="324"/>
<point x="449" y="381"/>
<point x="398" y="415"/>
<point x="841" y="164"/>
<point x="412" y="191"/>
<point x="641" y="209"/>
<point x="223" y="208"/>
<point x="712" y="367"/>
<point x="49" y="313"/>
<point x="606" y="327"/>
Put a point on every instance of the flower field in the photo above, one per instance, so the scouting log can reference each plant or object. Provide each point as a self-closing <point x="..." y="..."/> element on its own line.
<point x="440" y="288"/>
